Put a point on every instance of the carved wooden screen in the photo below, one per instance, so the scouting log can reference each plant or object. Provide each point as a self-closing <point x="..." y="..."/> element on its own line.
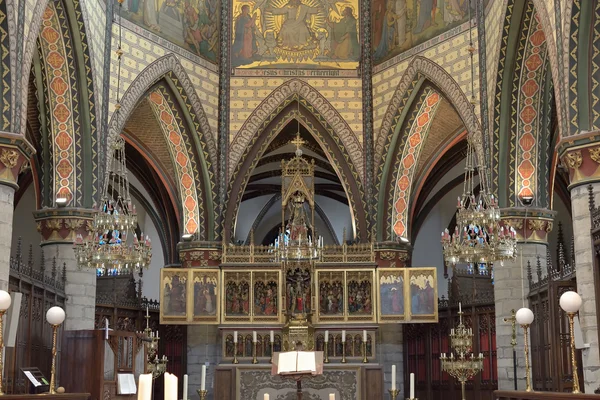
<point x="42" y="288"/>
<point x="423" y="344"/>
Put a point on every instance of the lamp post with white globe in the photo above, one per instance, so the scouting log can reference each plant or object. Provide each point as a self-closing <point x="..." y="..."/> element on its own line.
<point x="55" y="316"/>
<point x="570" y="302"/>
<point x="5" y="301"/>
<point x="525" y="317"/>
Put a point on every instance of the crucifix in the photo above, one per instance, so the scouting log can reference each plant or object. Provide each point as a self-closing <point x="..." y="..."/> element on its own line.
<point x="298" y="141"/>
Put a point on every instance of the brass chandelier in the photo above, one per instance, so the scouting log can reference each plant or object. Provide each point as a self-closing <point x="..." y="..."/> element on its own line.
<point x="479" y="236"/>
<point x="113" y="246"/>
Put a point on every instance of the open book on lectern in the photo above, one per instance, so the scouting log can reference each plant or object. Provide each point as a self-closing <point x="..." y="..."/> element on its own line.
<point x="298" y="363"/>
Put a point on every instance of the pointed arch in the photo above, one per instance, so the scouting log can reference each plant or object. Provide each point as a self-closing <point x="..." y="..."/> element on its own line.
<point x="198" y="133"/>
<point x="315" y="123"/>
<point x="391" y="141"/>
<point x="318" y="105"/>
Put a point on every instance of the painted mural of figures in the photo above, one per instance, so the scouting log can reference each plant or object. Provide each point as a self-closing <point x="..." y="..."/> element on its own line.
<point x="201" y="32"/>
<point x="237" y="298"/>
<point x="388" y="33"/>
<point x="401" y="22"/>
<point x="422" y="297"/>
<point x="298" y="291"/>
<point x="133" y="5"/>
<point x="295" y="34"/>
<point x="177" y="295"/>
<point x="151" y="15"/>
<point x="170" y="19"/>
<point x="265" y="299"/>
<point x="359" y="297"/>
<point x="345" y="36"/>
<point x="426" y="19"/>
<point x="455" y="10"/>
<point x="331" y="298"/>
<point x="378" y="11"/>
<point x="244" y="50"/>
<point x="205" y="301"/>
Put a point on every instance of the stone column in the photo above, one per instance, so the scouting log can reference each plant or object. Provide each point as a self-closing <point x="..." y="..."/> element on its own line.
<point x="511" y="287"/>
<point x="15" y="153"/>
<point x="581" y="155"/>
<point x="391" y="352"/>
<point x="59" y="228"/>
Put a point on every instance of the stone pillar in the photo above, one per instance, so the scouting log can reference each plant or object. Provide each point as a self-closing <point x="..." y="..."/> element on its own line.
<point x="511" y="287"/>
<point x="15" y="153"/>
<point x="581" y="155"/>
<point x="203" y="346"/>
<point x="391" y="352"/>
<point x="59" y="228"/>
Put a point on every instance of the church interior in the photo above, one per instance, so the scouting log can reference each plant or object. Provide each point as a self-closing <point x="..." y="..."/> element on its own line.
<point x="300" y="199"/>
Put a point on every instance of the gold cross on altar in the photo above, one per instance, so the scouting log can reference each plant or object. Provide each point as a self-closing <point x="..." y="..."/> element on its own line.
<point x="298" y="141"/>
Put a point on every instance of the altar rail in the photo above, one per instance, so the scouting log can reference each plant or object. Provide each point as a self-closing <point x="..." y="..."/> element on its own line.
<point x="514" y="395"/>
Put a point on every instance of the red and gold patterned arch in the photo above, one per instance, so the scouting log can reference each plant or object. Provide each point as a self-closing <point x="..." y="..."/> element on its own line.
<point x="419" y="130"/>
<point x="180" y="158"/>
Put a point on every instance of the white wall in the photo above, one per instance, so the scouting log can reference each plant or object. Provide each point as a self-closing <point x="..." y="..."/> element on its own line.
<point x="24" y="226"/>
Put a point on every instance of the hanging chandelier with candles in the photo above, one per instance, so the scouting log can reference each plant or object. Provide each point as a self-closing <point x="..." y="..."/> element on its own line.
<point x="479" y="236"/>
<point x="113" y="246"/>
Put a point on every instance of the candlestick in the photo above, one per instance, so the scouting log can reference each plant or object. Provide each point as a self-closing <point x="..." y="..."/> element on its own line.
<point x="254" y="359"/>
<point x="394" y="393"/>
<point x="326" y="351"/>
<point x="364" y="349"/>
<point x="202" y="394"/>
<point x="393" y="377"/>
<point x="344" y="352"/>
<point x="185" y="387"/>
<point x="412" y="385"/>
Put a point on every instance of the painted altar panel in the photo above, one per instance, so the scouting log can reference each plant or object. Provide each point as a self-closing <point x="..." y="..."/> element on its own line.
<point x="190" y="24"/>
<point x="295" y="34"/>
<point x="266" y="295"/>
<point x="391" y="295"/>
<point x="206" y="292"/>
<point x="237" y="298"/>
<point x="331" y="296"/>
<point x="175" y="296"/>
<point x="360" y="299"/>
<point x="423" y="297"/>
<point x="399" y="25"/>
<point x="298" y="288"/>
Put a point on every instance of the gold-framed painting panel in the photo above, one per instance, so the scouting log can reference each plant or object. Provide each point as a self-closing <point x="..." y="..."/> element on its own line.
<point x="422" y="294"/>
<point x="206" y="294"/>
<point x="263" y="310"/>
<point x="175" y="296"/>
<point x="391" y="295"/>
<point x="327" y="276"/>
<point x="360" y="296"/>
<point x="237" y="295"/>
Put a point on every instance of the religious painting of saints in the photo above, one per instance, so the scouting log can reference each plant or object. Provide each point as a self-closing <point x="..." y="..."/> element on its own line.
<point x="206" y="295"/>
<point x="360" y="295"/>
<point x="391" y="295"/>
<point x="174" y="295"/>
<point x="399" y="25"/>
<point x="423" y="294"/>
<point x="190" y="24"/>
<point x="265" y="295"/>
<point x="236" y="301"/>
<point x="298" y="291"/>
<point x="331" y="296"/>
<point x="295" y="34"/>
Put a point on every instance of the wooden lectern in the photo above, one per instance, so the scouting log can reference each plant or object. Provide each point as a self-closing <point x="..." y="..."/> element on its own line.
<point x="297" y="365"/>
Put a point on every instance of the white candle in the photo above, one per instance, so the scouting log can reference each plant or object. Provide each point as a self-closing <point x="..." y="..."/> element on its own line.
<point x="106" y="329"/>
<point x="272" y="335"/>
<point x="412" y="385"/>
<point x="266" y="396"/>
<point x="203" y="378"/>
<point x="343" y="336"/>
<point x="393" y="377"/>
<point x="145" y="387"/>
<point x="235" y="337"/>
<point x="327" y="336"/>
<point x="185" y="387"/>
<point x="254" y="336"/>
<point x="331" y="396"/>
<point x="459" y="307"/>
<point x="147" y="314"/>
<point x="170" y="386"/>
<point x="365" y="335"/>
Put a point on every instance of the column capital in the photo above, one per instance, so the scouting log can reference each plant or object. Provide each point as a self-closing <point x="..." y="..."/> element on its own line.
<point x="540" y="222"/>
<point x="581" y="155"/>
<point x="62" y="225"/>
<point x="15" y="151"/>
<point x="196" y="254"/>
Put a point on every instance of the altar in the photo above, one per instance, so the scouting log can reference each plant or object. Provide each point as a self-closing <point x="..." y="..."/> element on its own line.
<point x="250" y="382"/>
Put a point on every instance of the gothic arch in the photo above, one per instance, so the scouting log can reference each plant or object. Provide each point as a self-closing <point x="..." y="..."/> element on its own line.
<point x="392" y="137"/>
<point x="170" y="66"/>
<point x="318" y="126"/>
<point x="8" y="62"/>
<point x="318" y="104"/>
